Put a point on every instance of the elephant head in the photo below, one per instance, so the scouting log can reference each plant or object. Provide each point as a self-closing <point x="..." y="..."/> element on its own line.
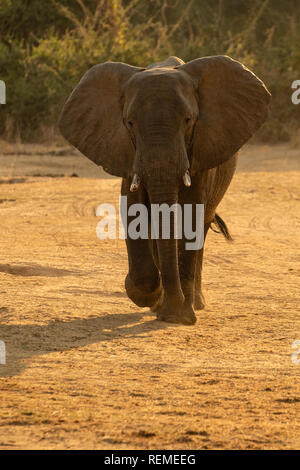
<point x="198" y="114"/>
<point x="160" y="124"/>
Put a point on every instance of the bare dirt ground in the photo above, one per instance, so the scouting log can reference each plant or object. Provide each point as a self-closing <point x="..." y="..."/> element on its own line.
<point x="86" y="368"/>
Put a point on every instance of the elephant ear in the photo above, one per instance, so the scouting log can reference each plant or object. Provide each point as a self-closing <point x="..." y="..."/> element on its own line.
<point x="92" y="118"/>
<point x="233" y="104"/>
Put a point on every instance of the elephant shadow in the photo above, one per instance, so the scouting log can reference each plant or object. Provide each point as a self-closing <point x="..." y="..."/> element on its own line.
<point x="25" y="341"/>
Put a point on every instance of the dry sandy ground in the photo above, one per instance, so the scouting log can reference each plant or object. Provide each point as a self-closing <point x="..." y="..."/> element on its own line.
<point x="88" y="369"/>
<point x="62" y="160"/>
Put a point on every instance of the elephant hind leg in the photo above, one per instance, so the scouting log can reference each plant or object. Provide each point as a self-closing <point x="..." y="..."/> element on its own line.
<point x="199" y="302"/>
<point x="155" y="307"/>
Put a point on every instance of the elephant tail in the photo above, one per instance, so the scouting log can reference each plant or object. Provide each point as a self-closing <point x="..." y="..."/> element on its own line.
<point x="221" y="226"/>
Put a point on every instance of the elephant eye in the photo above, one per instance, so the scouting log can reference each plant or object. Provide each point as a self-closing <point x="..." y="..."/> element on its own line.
<point x="187" y="120"/>
<point x="127" y="123"/>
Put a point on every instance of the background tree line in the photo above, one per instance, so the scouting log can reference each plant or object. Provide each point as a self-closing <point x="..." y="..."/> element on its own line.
<point x="47" y="45"/>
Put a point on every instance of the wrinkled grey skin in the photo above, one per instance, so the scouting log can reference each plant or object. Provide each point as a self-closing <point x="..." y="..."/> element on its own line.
<point x="159" y="122"/>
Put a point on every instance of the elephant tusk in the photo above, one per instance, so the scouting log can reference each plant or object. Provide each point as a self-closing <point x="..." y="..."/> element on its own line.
<point x="135" y="183"/>
<point x="187" y="179"/>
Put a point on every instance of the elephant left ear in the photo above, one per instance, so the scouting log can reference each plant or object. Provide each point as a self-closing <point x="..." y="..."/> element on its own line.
<point x="233" y="104"/>
<point x="92" y="117"/>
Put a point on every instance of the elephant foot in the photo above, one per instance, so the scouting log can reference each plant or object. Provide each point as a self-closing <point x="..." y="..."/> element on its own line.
<point x="142" y="298"/>
<point x="199" y="302"/>
<point x="183" y="313"/>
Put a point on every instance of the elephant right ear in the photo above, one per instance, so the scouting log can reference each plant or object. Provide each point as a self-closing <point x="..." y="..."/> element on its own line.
<point x="233" y="104"/>
<point x="92" y="118"/>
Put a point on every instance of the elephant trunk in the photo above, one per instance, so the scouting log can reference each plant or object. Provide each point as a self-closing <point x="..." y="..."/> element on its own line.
<point x="160" y="193"/>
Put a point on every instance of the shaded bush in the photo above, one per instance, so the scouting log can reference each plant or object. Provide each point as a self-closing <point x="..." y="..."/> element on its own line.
<point x="45" y="48"/>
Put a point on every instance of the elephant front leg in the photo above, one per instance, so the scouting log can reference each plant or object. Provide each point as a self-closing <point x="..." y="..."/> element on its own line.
<point x="142" y="282"/>
<point x="180" y="310"/>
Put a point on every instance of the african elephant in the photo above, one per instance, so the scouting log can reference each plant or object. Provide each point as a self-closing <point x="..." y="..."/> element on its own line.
<point x="172" y="131"/>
